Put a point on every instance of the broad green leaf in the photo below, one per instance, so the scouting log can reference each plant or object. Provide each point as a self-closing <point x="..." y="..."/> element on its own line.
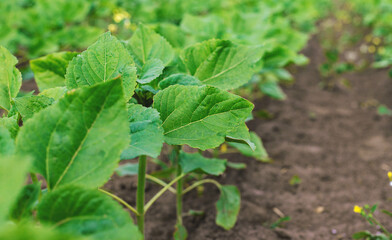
<point x="49" y="71"/>
<point x="277" y="57"/>
<point x="27" y="106"/>
<point x="33" y="232"/>
<point x="221" y="63"/>
<point x="105" y="60"/>
<point x="80" y="137"/>
<point x="191" y="162"/>
<point x="258" y="153"/>
<point x="7" y="144"/>
<point x="128" y="169"/>
<point x="151" y="70"/>
<point x="85" y="212"/>
<point x="179" y="78"/>
<point x="55" y="93"/>
<point x="146" y="44"/>
<point x="146" y="132"/>
<point x="203" y="27"/>
<point x="10" y="78"/>
<point x="24" y="205"/>
<point x="180" y="233"/>
<point x="11" y="124"/>
<point x="241" y="134"/>
<point x="272" y="89"/>
<point x="13" y="172"/>
<point x="199" y="116"/>
<point x="173" y="34"/>
<point x="228" y="206"/>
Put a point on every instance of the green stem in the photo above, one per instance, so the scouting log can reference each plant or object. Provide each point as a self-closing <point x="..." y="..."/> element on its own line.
<point x="162" y="191"/>
<point x="120" y="201"/>
<point x="180" y="184"/>
<point x="194" y="185"/>
<point x="381" y="226"/>
<point x="160" y="182"/>
<point x="141" y="184"/>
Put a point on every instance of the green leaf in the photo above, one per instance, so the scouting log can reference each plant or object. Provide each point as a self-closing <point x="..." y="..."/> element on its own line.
<point x="259" y="153"/>
<point x="146" y="132"/>
<point x="7" y="144"/>
<point x="221" y="63"/>
<point x="11" y="124"/>
<point x="88" y="212"/>
<point x="228" y="206"/>
<point x="151" y="70"/>
<point x="128" y="169"/>
<point x="241" y="134"/>
<point x="80" y="137"/>
<point x="361" y="235"/>
<point x="172" y="33"/>
<point x="146" y="44"/>
<point x="55" y="93"/>
<point x="236" y="165"/>
<point x="203" y="27"/>
<point x="199" y="116"/>
<point x="179" y="78"/>
<point x="272" y="89"/>
<point x="10" y="78"/>
<point x="25" y="203"/>
<point x="105" y="60"/>
<point x="49" y="71"/>
<point x="384" y="110"/>
<point x="33" y="232"/>
<point x="180" y="233"/>
<point x="191" y="162"/>
<point x="27" y="106"/>
<point x="13" y="172"/>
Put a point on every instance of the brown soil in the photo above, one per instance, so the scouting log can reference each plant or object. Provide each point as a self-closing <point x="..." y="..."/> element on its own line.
<point x="333" y="140"/>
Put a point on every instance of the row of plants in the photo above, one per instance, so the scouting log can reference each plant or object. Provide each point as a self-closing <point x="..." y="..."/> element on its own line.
<point x="171" y="82"/>
<point x="376" y="15"/>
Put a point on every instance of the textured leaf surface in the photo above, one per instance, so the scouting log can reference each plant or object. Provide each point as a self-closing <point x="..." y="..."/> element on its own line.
<point x="13" y="172"/>
<point x="49" y="71"/>
<point x="179" y="78"/>
<point x="79" y="139"/>
<point x="88" y="212"/>
<point x="7" y="145"/>
<point x="199" y="116"/>
<point x="146" y="44"/>
<point x="27" y="106"/>
<point x="32" y="232"/>
<point x="11" y="124"/>
<point x="259" y="152"/>
<point x="105" y="60"/>
<point x="146" y="132"/>
<point x="151" y="70"/>
<point x="196" y="162"/>
<point x="55" y="93"/>
<point x="228" y="206"/>
<point x="10" y="78"/>
<point x="241" y="134"/>
<point x="25" y="202"/>
<point x="220" y="63"/>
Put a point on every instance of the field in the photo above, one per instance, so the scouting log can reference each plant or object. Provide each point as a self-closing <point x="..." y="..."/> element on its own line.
<point x="195" y="120"/>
